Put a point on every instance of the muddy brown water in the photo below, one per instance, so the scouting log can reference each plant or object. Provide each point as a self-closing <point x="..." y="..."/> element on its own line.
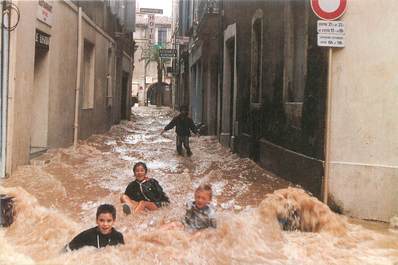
<point x="57" y="196"/>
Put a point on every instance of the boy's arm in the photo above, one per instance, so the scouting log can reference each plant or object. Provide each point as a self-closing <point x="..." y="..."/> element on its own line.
<point x="213" y="222"/>
<point x="193" y="127"/>
<point x="159" y="189"/>
<point x="121" y="239"/>
<point x="212" y="218"/>
<point x="170" y="125"/>
<point x="79" y="241"/>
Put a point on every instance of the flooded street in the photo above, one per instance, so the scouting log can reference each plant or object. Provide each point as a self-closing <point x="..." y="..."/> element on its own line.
<point x="57" y="197"/>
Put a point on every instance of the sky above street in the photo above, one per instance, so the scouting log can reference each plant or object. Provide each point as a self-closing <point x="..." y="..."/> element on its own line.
<point x="166" y="5"/>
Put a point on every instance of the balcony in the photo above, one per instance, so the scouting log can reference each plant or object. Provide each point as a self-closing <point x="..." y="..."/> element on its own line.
<point x="206" y="7"/>
<point x="206" y="12"/>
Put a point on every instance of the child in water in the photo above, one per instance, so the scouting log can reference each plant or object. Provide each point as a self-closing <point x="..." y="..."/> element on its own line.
<point x="184" y="125"/>
<point x="143" y="193"/>
<point x="102" y="235"/>
<point x="200" y="214"/>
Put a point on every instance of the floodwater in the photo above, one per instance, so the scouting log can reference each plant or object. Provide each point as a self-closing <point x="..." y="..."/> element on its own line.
<point x="57" y="196"/>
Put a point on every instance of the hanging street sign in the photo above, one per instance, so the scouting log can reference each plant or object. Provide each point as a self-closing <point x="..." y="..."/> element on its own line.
<point x="151" y="29"/>
<point x="167" y="53"/>
<point x="329" y="9"/>
<point x="182" y="40"/>
<point x="151" y="11"/>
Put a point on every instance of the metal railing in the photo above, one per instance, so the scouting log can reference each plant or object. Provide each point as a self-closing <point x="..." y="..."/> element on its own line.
<point x="206" y="7"/>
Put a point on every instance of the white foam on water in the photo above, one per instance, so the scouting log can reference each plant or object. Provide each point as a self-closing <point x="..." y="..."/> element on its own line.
<point x="58" y="198"/>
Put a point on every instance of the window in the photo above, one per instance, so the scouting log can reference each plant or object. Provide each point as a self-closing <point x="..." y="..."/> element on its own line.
<point x="296" y="43"/>
<point x="88" y="76"/>
<point x="295" y="61"/>
<point x="162" y="36"/>
<point x="256" y="57"/>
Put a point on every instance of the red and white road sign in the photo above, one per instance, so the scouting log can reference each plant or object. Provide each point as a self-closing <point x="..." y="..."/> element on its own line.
<point x="329" y="9"/>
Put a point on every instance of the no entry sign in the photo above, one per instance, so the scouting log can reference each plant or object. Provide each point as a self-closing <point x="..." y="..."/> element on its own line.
<point x="329" y="9"/>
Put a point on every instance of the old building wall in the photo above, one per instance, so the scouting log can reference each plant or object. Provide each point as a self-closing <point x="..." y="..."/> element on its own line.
<point x="284" y="135"/>
<point x="364" y="121"/>
<point x="94" y="119"/>
<point x="21" y="74"/>
<point x="63" y="65"/>
<point x="41" y="105"/>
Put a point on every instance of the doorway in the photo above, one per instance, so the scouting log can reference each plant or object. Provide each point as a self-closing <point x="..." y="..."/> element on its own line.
<point x="123" y="103"/>
<point x="40" y="101"/>
<point x="197" y="93"/>
<point x="229" y="90"/>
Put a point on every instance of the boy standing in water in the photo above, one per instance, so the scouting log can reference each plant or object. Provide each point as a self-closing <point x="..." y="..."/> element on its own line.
<point x="103" y="234"/>
<point x="184" y="125"/>
<point x="143" y="193"/>
<point x="200" y="214"/>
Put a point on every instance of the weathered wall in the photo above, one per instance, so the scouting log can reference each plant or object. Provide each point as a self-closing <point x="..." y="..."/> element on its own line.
<point x="24" y="106"/>
<point x="96" y="119"/>
<point x="21" y="86"/>
<point x="364" y="128"/>
<point x="63" y="65"/>
<point x="266" y="133"/>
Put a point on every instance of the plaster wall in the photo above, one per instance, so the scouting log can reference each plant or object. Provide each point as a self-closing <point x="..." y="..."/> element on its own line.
<point x="364" y="121"/>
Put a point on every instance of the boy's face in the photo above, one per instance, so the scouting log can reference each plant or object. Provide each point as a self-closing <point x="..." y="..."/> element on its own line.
<point x="139" y="173"/>
<point x="105" y="223"/>
<point x="202" y="199"/>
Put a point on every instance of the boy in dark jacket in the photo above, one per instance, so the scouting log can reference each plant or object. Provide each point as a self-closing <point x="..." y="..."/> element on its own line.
<point x="103" y="234"/>
<point x="184" y="125"/>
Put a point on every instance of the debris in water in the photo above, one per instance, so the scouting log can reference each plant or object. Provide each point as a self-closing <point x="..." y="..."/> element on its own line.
<point x="7" y="210"/>
<point x="296" y="210"/>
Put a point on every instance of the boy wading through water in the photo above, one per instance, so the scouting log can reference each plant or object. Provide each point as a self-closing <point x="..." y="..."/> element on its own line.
<point x="184" y="125"/>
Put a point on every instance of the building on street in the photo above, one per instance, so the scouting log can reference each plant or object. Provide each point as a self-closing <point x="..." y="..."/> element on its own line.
<point x="252" y="72"/>
<point x="149" y="39"/>
<point x="69" y="71"/>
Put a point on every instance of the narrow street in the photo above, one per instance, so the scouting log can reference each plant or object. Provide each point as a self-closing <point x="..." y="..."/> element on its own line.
<point x="57" y="196"/>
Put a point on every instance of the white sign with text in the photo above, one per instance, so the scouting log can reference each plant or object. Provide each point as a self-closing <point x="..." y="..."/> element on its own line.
<point x="330" y="27"/>
<point x="44" y="12"/>
<point x="329" y="40"/>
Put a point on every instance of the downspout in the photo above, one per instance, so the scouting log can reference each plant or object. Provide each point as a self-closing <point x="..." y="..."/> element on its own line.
<point x="78" y="78"/>
<point x="4" y="87"/>
<point x="220" y="67"/>
<point x="9" y="83"/>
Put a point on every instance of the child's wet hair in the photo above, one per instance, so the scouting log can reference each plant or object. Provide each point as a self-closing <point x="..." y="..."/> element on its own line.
<point x="140" y="164"/>
<point x="206" y="188"/>
<point x="106" y="208"/>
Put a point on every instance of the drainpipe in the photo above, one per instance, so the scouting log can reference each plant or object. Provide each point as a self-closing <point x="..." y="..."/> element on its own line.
<point x="220" y="67"/>
<point x="77" y="89"/>
<point x="5" y="42"/>
<point x="145" y="89"/>
<point x="327" y="129"/>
